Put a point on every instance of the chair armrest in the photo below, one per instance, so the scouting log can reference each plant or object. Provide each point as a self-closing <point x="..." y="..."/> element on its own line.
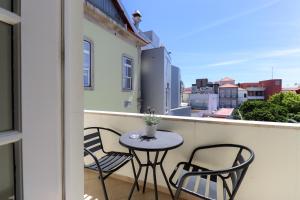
<point x="111" y="130"/>
<point x="107" y="129"/>
<point x="94" y="158"/>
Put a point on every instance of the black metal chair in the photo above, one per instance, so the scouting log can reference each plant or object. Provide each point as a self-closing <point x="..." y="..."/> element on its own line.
<point x="205" y="183"/>
<point x="110" y="162"/>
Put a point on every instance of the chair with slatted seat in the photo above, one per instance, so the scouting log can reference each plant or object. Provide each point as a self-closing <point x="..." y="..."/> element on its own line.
<point x="102" y="161"/>
<point x="210" y="184"/>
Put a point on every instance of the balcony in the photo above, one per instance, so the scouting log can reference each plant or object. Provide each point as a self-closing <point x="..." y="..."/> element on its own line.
<point x="273" y="175"/>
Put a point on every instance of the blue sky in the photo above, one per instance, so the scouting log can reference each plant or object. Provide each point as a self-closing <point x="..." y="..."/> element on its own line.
<point x="236" y="38"/>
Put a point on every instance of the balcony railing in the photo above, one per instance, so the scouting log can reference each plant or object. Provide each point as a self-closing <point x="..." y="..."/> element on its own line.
<point x="107" y="7"/>
<point x="274" y="174"/>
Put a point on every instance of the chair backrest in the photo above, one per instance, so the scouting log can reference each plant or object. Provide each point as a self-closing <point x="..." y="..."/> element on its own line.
<point x="92" y="140"/>
<point x="239" y="168"/>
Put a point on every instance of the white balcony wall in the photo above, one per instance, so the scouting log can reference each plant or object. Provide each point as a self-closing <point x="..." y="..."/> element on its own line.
<point x="274" y="173"/>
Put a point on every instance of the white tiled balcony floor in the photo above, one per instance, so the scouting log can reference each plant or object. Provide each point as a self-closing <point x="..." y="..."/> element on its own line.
<point x="116" y="189"/>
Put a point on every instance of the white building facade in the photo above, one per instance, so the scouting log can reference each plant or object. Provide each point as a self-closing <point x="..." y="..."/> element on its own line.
<point x="207" y="102"/>
<point x="242" y="96"/>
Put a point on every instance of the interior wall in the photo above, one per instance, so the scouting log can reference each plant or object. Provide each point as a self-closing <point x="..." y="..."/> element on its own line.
<point x="42" y="90"/>
<point x="73" y="97"/>
<point x="41" y="99"/>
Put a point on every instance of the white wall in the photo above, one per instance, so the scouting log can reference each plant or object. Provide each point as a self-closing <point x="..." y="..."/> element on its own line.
<point x="41" y="100"/>
<point x="274" y="174"/>
<point x="211" y="101"/>
<point x="42" y="123"/>
<point x="73" y="100"/>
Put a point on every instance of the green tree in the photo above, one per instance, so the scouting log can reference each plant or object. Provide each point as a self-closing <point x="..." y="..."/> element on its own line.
<point x="289" y="100"/>
<point x="263" y="111"/>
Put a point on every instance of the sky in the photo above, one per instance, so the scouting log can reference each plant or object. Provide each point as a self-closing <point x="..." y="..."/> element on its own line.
<point x="240" y="39"/>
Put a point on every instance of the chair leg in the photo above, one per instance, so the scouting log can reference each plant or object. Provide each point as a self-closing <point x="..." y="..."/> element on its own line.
<point x="103" y="187"/>
<point x="177" y="194"/>
<point x="134" y="174"/>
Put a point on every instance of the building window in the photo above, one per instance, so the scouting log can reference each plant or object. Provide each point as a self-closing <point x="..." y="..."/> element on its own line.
<point x="88" y="80"/>
<point x="127" y="74"/>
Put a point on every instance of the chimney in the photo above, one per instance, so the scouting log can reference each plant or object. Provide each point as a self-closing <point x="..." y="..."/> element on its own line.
<point x="137" y="18"/>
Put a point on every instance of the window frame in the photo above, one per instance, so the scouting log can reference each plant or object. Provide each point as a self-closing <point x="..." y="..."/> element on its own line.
<point x="13" y="20"/>
<point x="124" y="57"/>
<point x="92" y="85"/>
<point x="14" y="136"/>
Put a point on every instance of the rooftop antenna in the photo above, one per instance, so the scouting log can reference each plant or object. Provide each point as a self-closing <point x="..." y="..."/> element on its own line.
<point x="272" y="72"/>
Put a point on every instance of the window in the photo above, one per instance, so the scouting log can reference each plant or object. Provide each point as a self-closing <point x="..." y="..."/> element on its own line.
<point x="7" y="182"/>
<point x="10" y="99"/>
<point x="127" y="73"/>
<point x="88" y="64"/>
<point x="6" y="90"/>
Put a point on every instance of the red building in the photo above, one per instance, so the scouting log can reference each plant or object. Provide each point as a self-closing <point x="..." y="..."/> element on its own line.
<point x="271" y="87"/>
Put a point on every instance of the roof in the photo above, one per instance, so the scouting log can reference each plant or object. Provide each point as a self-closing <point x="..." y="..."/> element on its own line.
<point x="223" y="112"/>
<point x="130" y="22"/>
<point x="187" y="90"/>
<point x="228" y="86"/>
<point x="129" y="26"/>
<point x="290" y="89"/>
<point x="227" y="79"/>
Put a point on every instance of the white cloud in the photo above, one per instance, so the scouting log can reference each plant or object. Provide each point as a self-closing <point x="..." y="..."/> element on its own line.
<point x="258" y="56"/>
<point x="281" y="53"/>
<point x="228" y="19"/>
<point x="229" y="62"/>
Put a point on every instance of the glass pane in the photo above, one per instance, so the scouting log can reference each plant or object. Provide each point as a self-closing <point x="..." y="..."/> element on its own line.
<point x="86" y="78"/>
<point x="6" y="97"/>
<point x="128" y="61"/>
<point x="11" y="5"/>
<point x="129" y="72"/>
<point x="86" y="63"/>
<point x="6" y="4"/>
<point x="86" y="54"/>
<point x="6" y="172"/>
<point x="129" y="83"/>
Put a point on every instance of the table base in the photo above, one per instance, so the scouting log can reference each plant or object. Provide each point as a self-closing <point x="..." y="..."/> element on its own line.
<point x="153" y="165"/>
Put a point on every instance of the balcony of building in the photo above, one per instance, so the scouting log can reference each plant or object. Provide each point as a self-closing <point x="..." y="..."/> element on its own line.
<point x="274" y="174"/>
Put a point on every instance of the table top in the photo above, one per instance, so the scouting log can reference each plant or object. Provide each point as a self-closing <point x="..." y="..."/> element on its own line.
<point x="162" y="141"/>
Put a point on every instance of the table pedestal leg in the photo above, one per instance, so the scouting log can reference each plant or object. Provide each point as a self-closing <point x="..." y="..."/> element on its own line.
<point x="135" y="184"/>
<point x="134" y="172"/>
<point x="154" y="174"/>
<point x="146" y="174"/>
<point x="164" y="173"/>
<point x="153" y="165"/>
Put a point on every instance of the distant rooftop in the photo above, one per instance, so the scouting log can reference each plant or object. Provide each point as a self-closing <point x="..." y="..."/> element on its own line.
<point x="223" y="113"/>
<point x="187" y="90"/>
<point x="227" y="79"/>
<point x="290" y="89"/>
<point x="228" y="86"/>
